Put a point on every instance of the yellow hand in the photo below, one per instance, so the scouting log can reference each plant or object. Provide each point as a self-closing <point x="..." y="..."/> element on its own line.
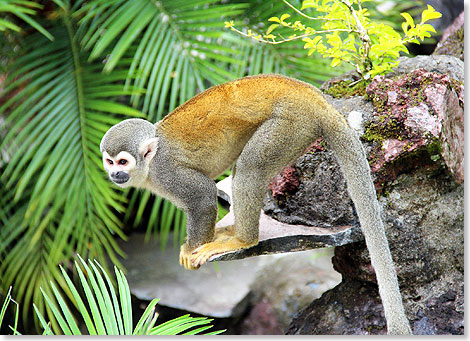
<point x="185" y="257"/>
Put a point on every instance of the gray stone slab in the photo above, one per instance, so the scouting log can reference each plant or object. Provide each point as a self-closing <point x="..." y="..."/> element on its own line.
<point x="276" y="237"/>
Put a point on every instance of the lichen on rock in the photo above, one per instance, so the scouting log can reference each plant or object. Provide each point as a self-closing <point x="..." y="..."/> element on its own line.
<point x="410" y="113"/>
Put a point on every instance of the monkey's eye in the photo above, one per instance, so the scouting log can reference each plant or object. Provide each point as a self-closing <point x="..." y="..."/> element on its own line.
<point x="109" y="161"/>
<point x="122" y="162"/>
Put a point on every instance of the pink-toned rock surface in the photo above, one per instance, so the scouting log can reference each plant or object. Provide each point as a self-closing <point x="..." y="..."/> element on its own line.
<point x="418" y="110"/>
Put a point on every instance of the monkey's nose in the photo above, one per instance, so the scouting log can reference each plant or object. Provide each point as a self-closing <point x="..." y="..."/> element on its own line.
<point x="119" y="177"/>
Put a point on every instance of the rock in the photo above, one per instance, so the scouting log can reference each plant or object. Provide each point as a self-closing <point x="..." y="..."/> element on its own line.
<point x="351" y="308"/>
<point x="261" y="320"/>
<point x="423" y="216"/>
<point x="410" y="112"/>
<point x="286" y="295"/>
<point x="452" y="134"/>
<point x="320" y="197"/>
<point x="287" y="181"/>
<point x="357" y="110"/>
<point x="443" y="310"/>
<point x="449" y="65"/>
<point x="452" y="41"/>
<point x="277" y="237"/>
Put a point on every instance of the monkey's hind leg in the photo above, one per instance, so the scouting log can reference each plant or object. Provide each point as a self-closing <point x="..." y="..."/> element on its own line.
<point x="268" y="150"/>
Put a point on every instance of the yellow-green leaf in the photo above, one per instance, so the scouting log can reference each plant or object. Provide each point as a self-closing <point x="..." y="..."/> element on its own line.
<point x="429" y="14"/>
<point x="408" y="19"/>
<point x="271" y="28"/>
<point x="316" y="40"/>
<point x="335" y="62"/>
<point x="308" y="4"/>
<point x="284" y="16"/>
<point x="404" y="26"/>
<point x="426" y="28"/>
<point x="229" y="24"/>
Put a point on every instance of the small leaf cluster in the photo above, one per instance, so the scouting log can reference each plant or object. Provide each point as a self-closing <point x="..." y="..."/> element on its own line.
<point x="347" y="34"/>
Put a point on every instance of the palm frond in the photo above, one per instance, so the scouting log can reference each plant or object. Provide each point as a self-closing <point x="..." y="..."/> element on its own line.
<point x="22" y="9"/>
<point x="61" y="108"/>
<point x="111" y="310"/>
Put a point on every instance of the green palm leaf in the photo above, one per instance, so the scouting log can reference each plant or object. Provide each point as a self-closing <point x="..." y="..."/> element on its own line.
<point x="170" y="43"/>
<point x="62" y="106"/>
<point x="102" y="300"/>
<point x="22" y="9"/>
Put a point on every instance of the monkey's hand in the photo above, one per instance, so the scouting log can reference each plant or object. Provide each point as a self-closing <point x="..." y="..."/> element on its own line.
<point x="222" y="243"/>
<point x="185" y="257"/>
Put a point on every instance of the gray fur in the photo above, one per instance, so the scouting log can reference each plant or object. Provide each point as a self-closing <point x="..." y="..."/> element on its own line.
<point x="127" y="136"/>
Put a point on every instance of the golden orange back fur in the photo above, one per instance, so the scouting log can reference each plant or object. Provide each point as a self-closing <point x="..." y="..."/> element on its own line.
<point x="228" y="115"/>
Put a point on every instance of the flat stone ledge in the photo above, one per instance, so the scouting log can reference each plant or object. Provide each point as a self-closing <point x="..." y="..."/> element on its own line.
<point x="276" y="237"/>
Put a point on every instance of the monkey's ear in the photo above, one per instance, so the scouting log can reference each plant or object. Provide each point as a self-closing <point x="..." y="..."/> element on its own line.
<point x="148" y="148"/>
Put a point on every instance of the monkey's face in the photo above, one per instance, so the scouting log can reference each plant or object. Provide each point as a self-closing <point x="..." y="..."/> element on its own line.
<point x="128" y="149"/>
<point x="120" y="168"/>
<point x="125" y="170"/>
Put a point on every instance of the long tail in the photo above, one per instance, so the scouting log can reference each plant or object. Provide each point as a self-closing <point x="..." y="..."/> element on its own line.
<point x="352" y="159"/>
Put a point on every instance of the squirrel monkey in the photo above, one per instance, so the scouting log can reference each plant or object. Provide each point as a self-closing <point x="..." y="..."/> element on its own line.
<point x="259" y="124"/>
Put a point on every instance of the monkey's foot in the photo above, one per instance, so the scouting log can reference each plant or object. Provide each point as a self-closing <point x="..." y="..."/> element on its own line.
<point x="203" y="253"/>
<point x="185" y="257"/>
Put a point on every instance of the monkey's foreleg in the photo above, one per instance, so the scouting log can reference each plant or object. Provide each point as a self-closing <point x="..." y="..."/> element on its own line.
<point x="196" y="194"/>
<point x="185" y="257"/>
<point x="200" y="230"/>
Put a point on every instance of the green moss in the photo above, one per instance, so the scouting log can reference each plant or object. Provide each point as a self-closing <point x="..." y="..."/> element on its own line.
<point x="434" y="149"/>
<point x="407" y="146"/>
<point x="344" y="89"/>
<point x="386" y="128"/>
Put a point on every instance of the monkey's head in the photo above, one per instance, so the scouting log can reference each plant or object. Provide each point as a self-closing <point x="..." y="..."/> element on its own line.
<point x="127" y="148"/>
